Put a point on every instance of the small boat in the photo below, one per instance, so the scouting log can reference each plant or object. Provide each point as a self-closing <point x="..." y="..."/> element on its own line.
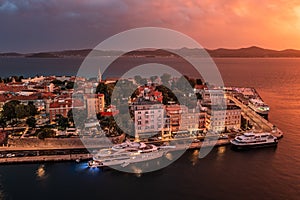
<point x="94" y="164"/>
<point x="223" y="136"/>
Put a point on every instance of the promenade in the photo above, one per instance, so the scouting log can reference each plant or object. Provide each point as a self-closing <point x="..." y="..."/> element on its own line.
<point x="50" y="158"/>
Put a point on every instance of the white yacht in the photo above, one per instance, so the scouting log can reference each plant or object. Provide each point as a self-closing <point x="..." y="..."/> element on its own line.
<point x="126" y="153"/>
<point x="254" y="140"/>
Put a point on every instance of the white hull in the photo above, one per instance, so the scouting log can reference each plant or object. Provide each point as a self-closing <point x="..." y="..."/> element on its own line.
<point x="260" y="109"/>
<point x="133" y="159"/>
<point x="127" y="153"/>
<point x="253" y="140"/>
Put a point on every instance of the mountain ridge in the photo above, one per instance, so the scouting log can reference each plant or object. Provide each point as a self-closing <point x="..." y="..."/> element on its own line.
<point x="246" y="52"/>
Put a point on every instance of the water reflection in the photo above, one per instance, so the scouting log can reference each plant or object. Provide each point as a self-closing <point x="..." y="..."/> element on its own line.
<point x="41" y="172"/>
<point x="195" y="157"/>
<point x="137" y="171"/>
<point x="221" y="152"/>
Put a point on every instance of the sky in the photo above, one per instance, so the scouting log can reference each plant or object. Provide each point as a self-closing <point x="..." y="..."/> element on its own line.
<point x="46" y="25"/>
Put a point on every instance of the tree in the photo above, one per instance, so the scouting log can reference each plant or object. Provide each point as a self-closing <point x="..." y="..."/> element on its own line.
<point x="153" y="78"/>
<point x="102" y="88"/>
<point x="32" y="109"/>
<point x="57" y="83"/>
<point x="192" y="81"/>
<point x="62" y="121"/>
<point x="9" y="110"/>
<point x="14" y="109"/>
<point x="165" y="78"/>
<point x="168" y="95"/>
<point x="70" y="85"/>
<point x="137" y="79"/>
<point x="22" y="111"/>
<point x="199" y="81"/>
<point x="3" y="121"/>
<point x="45" y="133"/>
<point x="70" y="116"/>
<point x="31" y="122"/>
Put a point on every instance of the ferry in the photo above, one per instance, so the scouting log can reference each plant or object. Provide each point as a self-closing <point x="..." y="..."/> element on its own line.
<point x="126" y="153"/>
<point x="254" y="140"/>
<point x="259" y="106"/>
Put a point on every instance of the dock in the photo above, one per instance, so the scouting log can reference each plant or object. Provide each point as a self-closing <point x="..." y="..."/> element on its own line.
<point x="260" y="123"/>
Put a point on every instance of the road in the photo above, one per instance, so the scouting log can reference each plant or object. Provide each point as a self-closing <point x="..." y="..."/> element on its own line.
<point x="259" y="122"/>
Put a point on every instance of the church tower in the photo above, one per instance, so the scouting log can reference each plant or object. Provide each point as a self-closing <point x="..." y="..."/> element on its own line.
<point x="99" y="76"/>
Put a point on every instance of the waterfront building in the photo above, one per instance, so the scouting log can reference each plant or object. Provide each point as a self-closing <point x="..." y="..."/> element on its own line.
<point x="213" y="96"/>
<point x="189" y="119"/>
<point x="221" y="119"/>
<point x="173" y="114"/>
<point x="148" y="118"/>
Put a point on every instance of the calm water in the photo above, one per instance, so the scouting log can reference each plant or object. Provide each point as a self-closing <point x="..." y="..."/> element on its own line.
<point x="258" y="174"/>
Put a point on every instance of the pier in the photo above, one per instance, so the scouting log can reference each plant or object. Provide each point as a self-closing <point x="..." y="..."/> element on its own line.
<point x="260" y="123"/>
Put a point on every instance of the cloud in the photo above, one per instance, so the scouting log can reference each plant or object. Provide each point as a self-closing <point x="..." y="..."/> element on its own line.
<point x="7" y="6"/>
<point x="63" y="24"/>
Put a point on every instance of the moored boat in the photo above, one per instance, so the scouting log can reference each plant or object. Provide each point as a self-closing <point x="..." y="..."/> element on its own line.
<point x="254" y="140"/>
<point x="126" y="153"/>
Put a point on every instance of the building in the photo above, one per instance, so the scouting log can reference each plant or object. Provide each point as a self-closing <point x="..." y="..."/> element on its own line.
<point x="189" y="119"/>
<point x="173" y="114"/>
<point x="62" y="107"/>
<point x="215" y="97"/>
<point x="221" y="119"/>
<point x="95" y="104"/>
<point x="150" y="93"/>
<point x="148" y="118"/>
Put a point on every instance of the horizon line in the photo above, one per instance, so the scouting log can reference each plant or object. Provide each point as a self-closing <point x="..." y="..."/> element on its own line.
<point x="211" y="49"/>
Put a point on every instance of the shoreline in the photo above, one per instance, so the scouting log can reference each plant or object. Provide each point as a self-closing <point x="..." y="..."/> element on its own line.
<point x="50" y="158"/>
<point x="87" y="156"/>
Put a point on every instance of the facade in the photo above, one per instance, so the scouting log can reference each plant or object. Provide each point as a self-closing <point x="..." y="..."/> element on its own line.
<point x="60" y="107"/>
<point x="220" y="119"/>
<point x="173" y="114"/>
<point x="215" y="97"/>
<point x="94" y="104"/>
<point x="189" y="119"/>
<point x="148" y="119"/>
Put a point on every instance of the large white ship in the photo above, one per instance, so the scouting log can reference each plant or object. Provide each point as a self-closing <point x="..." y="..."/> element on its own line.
<point x="259" y="106"/>
<point x="126" y="153"/>
<point x="254" y="140"/>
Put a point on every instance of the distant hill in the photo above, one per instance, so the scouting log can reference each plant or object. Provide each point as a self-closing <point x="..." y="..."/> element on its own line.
<point x="249" y="52"/>
<point x="253" y="52"/>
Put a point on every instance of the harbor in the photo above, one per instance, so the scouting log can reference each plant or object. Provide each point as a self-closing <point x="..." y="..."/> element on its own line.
<point x="24" y="150"/>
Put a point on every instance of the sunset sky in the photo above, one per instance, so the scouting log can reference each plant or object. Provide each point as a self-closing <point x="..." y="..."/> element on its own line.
<point x="42" y="25"/>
